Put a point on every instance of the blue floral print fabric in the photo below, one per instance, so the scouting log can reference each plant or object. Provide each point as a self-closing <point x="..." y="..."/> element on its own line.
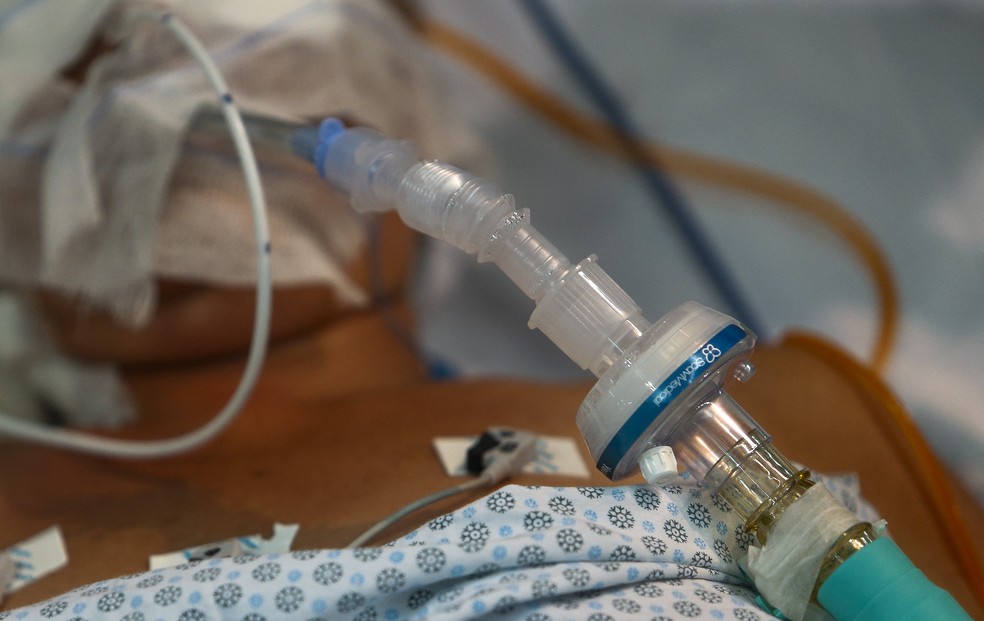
<point x="526" y="553"/>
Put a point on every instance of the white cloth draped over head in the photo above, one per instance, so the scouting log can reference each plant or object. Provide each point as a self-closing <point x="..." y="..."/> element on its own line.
<point x="103" y="188"/>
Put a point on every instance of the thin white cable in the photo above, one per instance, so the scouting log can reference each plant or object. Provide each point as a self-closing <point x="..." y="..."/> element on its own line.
<point x="88" y="443"/>
<point x="513" y="449"/>
<point x="398" y="515"/>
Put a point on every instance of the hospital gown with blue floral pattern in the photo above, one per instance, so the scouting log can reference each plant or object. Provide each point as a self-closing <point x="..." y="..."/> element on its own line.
<point x="526" y="553"/>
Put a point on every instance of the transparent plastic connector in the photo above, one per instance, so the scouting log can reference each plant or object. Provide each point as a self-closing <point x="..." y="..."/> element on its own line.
<point x="363" y="164"/>
<point x="579" y="307"/>
<point x="589" y="317"/>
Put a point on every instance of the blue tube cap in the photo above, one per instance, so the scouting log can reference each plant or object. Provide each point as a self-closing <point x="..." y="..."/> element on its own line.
<point x="330" y="129"/>
<point x="879" y="583"/>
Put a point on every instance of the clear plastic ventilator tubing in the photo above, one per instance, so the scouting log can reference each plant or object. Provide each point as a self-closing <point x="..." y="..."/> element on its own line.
<point x="660" y="399"/>
<point x="660" y="385"/>
<point x="579" y="306"/>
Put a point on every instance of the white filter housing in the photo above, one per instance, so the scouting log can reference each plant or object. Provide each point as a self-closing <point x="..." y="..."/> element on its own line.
<point x="639" y="403"/>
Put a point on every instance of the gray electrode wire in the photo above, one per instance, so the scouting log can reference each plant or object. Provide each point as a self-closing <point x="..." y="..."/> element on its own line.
<point x="108" y="447"/>
<point x="416" y="505"/>
<point x="510" y="451"/>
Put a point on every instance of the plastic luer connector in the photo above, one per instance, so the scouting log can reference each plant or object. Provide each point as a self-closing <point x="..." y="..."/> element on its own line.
<point x="579" y="307"/>
<point x="589" y="317"/>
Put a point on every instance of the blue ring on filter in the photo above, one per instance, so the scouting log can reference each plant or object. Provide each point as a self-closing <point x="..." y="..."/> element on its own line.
<point x="667" y="392"/>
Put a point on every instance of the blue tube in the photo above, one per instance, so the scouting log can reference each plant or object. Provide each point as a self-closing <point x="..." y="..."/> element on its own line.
<point x="879" y="583"/>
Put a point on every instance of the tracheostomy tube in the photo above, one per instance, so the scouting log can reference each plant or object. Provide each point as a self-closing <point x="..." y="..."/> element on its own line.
<point x="660" y="400"/>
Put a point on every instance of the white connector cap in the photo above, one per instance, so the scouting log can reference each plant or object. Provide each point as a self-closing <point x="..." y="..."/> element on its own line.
<point x="363" y="164"/>
<point x="658" y="465"/>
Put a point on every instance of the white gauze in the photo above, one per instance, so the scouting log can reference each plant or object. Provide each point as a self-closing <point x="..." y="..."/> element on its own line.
<point x="105" y="191"/>
<point x="785" y="569"/>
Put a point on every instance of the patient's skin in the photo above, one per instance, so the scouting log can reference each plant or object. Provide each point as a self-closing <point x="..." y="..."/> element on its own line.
<point x="196" y="322"/>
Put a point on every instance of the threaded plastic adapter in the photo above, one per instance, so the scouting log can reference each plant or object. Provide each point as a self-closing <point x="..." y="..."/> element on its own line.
<point x="362" y="163"/>
<point x="580" y="308"/>
<point x="588" y="316"/>
<point x="879" y="583"/>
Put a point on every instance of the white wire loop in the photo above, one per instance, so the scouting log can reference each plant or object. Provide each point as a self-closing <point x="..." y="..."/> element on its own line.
<point x="146" y="449"/>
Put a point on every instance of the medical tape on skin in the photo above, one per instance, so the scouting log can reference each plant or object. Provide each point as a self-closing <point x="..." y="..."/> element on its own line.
<point x="785" y="569"/>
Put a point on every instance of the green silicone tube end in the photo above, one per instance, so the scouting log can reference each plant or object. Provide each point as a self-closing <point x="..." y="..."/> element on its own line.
<point x="879" y="583"/>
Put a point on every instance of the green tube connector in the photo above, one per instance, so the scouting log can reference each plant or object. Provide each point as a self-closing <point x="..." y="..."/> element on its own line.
<point x="879" y="583"/>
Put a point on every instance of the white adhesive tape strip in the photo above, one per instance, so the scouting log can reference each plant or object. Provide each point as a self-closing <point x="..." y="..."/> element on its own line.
<point x="554" y="455"/>
<point x="36" y="557"/>
<point x="283" y="537"/>
<point x="786" y="568"/>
